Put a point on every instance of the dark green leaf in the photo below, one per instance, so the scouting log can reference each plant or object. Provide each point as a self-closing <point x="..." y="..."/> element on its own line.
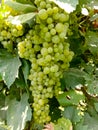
<point x="9" y="65"/>
<point x="91" y="121"/>
<point x="74" y="77"/>
<point x="92" y="86"/>
<point x="80" y="126"/>
<point x="70" y="98"/>
<point x="92" y="41"/>
<point x="19" y="7"/>
<point x="67" y="5"/>
<point x="2" y="107"/>
<point x="72" y="113"/>
<point x="23" y="18"/>
<point x="0" y="77"/>
<point x="96" y="106"/>
<point x="18" y="113"/>
<point x="25" y="69"/>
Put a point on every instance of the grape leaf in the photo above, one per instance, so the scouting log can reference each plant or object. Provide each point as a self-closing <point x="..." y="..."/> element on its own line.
<point x="9" y="65"/>
<point x="80" y="126"/>
<point x="25" y="69"/>
<point x="67" y="5"/>
<point x="74" y="77"/>
<point x="94" y="17"/>
<point x="71" y="97"/>
<point x="96" y="106"/>
<point x="91" y="121"/>
<point x="24" y="1"/>
<point x="92" y="41"/>
<point x="2" y="107"/>
<point x="23" y="18"/>
<point x="0" y="77"/>
<point x="18" y="113"/>
<point x="72" y="113"/>
<point x="19" y="7"/>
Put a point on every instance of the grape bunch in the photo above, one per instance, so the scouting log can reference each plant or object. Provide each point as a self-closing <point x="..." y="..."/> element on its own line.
<point x="10" y="34"/>
<point x="46" y="48"/>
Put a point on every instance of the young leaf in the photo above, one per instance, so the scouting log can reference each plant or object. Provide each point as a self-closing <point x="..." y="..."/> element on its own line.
<point x="23" y="18"/>
<point x="68" y="5"/>
<point x="9" y="65"/>
<point x="71" y="97"/>
<point x="18" y="113"/>
<point x="19" y="7"/>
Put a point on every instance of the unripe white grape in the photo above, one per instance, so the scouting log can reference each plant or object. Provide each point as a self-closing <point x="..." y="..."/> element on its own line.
<point x="46" y="70"/>
<point x="53" y="31"/>
<point x="59" y="27"/>
<point x="55" y="39"/>
<point x="43" y="14"/>
<point x="42" y="4"/>
<point x="44" y="51"/>
<point x="63" y="17"/>
<point x="49" y="20"/>
<point x="50" y="11"/>
<point x="50" y="50"/>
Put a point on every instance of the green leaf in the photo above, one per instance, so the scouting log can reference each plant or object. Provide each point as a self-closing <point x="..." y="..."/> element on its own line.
<point x="94" y="17"/>
<point x="92" y="86"/>
<point x="2" y="106"/>
<point x="80" y="126"/>
<point x="72" y="113"/>
<point x="9" y="65"/>
<point x="67" y="5"/>
<point x="18" y="113"/>
<point x="25" y="69"/>
<point x="96" y="106"/>
<point x="19" y="7"/>
<point x="92" y="41"/>
<point x="91" y="121"/>
<point x="0" y="77"/>
<point x="74" y="77"/>
<point x="23" y="18"/>
<point x="71" y="97"/>
<point x="24" y="1"/>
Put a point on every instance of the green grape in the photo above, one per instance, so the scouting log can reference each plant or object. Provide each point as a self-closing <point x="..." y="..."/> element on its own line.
<point x="56" y="16"/>
<point x="44" y="51"/>
<point x="53" y="31"/>
<point x="50" y="50"/>
<point x="43" y="14"/>
<point x="63" y="17"/>
<point x="55" y="10"/>
<point x="46" y="70"/>
<point x="49" y="20"/>
<point x="55" y="39"/>
<point x="50" y="11"/>
<point x="42" y="4"/>
<point x="59" y="27"/>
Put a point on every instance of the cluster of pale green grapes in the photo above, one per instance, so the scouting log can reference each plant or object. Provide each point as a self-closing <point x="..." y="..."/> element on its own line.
<point x="10" y="33"/>
<point x="46" y="48"/>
